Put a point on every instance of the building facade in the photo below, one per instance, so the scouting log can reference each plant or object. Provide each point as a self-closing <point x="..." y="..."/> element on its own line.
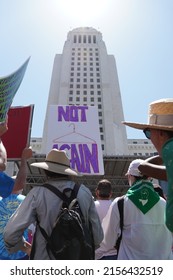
<point x="84" y="74"/>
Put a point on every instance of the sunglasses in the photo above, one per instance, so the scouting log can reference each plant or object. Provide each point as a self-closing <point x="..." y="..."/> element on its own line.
<point x="147" y="133"/>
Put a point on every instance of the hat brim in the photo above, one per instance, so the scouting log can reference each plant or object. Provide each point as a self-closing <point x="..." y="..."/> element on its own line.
<point x="56" y="168"/>
<point x="143" y="126"/>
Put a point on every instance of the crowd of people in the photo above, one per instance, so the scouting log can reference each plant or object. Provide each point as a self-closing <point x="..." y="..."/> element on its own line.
<point x="147" y="232"/>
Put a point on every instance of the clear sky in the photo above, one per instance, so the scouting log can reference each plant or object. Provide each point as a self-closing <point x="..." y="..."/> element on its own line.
<point x="139" y="33"/>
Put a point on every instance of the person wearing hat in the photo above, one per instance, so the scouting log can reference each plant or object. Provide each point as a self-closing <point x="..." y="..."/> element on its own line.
<point x="145" y="235"/>
<point x="43" y="205"/>
<point x="159" y="130"/>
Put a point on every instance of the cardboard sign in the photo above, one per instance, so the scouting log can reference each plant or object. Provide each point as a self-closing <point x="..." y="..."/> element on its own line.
<point x="76" y="130"/>
<point x="8" y="88"/>
<point x="19" y="129"/>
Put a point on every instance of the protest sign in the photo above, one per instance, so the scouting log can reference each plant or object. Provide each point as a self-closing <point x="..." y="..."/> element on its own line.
<point x="8" y="88"/>
<point x="18" y="134"/>
<point x="76" y="130"/>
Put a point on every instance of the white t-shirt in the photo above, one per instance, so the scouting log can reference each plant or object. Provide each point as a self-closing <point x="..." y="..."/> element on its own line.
<point x="102" y="207"/>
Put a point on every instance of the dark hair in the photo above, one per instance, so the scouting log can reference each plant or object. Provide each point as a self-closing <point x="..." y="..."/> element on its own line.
<point x="104" y="188"/>
<point x="169" y="133"/>
<point x="53" y="174"/>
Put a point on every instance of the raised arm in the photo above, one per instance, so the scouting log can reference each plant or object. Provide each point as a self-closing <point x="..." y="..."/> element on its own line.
<point x="153" y="167"/>
<point x="22" y="173"/>
<point x="3" y="153"/>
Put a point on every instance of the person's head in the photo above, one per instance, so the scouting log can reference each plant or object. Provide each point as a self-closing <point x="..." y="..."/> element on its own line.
<point x="133" y="174"/>
<point x="57" y="164"/>
<point x="104" y="189"/>
<point x="160" y="122"/>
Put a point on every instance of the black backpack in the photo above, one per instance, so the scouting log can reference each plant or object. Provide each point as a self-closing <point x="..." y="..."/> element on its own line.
<point x="70" y="239"/>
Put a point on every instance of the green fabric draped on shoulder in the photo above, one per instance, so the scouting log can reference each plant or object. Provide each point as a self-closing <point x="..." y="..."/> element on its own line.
<point x="167" y="156"/>
<point x="143" y="195"/>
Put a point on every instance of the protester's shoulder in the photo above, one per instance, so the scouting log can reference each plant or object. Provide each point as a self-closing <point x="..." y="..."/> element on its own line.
<point x="84" y="189"/>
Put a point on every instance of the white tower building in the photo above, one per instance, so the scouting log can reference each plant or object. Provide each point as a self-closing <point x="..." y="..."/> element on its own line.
<point x="84" y="74"/>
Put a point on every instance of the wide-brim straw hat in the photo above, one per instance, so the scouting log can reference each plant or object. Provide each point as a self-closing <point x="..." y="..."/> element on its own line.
<point x="160" y="116"/>
<point x="57" y="161"/>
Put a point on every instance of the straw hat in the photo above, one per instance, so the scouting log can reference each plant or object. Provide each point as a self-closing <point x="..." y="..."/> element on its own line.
<point x="57" y="162"/>
<point x="160" y="116"/>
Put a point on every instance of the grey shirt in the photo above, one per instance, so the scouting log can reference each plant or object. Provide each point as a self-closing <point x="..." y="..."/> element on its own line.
<point x="42" y="203"/>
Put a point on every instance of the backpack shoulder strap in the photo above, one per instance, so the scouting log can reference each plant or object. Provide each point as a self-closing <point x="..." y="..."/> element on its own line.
<point x="57" y="192"/>
<point x="62" y="195"/>
<point x="121" y="212"/>
<point x="120" y="204"/>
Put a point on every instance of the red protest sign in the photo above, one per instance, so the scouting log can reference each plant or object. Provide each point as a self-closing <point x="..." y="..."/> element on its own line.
<point x="19" y="129"/>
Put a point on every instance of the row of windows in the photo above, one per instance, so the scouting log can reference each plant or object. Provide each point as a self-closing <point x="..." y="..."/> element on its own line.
<point x="85" y="59"/>
<point x="85" y="54"/>
<point x="78" y="92"/>
<point x="91" y="74"/>
<point x="85" y="69"/>
<point x="84" y="86"/>
<point x="85" y="64"/>
<point x="84" y="39"/>
<point x="85" y="80"/>
<point x="92" y="99"/>
<point x="85" y="49"/>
